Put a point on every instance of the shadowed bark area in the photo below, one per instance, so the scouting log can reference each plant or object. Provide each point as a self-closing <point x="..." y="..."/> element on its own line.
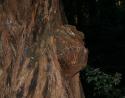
<point x="40" y="56"/>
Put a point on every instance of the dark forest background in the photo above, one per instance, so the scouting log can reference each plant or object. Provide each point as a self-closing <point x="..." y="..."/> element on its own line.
<point x="103" y="23"/>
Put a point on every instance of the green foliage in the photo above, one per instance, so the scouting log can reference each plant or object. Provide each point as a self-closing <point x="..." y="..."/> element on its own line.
<point x="104" y="84"/>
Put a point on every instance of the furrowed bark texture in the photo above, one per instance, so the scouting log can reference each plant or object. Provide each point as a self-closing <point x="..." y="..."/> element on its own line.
<point x="40" y="56"/>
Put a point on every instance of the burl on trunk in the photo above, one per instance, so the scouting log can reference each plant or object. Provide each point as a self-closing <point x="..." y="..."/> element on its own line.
<point x="40" y="56"/>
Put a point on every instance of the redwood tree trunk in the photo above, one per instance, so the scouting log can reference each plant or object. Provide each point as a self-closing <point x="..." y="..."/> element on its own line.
<point x="40" y="56"/>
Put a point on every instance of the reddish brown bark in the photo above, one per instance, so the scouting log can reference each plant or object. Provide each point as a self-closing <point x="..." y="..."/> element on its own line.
<point x="40" y="56"/>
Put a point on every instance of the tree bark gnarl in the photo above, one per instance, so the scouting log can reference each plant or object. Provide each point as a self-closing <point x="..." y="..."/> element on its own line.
<point x="41" y="57"/>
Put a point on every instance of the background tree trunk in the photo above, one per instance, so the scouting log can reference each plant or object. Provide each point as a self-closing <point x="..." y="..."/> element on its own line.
<point x="40" y="56"/>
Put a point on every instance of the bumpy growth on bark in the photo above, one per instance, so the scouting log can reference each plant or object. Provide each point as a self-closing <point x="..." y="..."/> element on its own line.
<point x="40" y="56"/>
